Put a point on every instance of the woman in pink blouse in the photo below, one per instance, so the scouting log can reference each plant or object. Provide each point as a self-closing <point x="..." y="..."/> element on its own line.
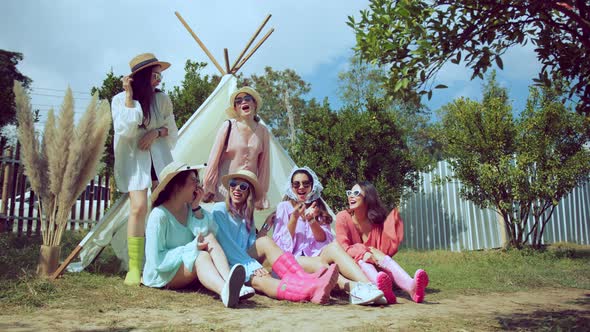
<point x="241" y="143"/>
<point x="371" y="237"/>
<point x="302" y="228"/>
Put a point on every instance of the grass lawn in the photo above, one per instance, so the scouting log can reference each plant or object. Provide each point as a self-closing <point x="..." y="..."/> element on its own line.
<point x="453" y="275"/>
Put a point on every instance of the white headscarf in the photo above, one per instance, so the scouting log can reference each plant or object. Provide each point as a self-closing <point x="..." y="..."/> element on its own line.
<point x="316" y="189"/>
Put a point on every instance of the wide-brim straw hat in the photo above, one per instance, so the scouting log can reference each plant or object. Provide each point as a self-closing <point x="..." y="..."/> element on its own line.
<point x="231" y="112"/>
<point x="243" y="174"/>
<point x="168" y="173"/>
<point x="146" y="60"/>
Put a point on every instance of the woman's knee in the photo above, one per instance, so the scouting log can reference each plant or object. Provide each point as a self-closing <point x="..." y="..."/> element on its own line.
<point x="138" y="206"/>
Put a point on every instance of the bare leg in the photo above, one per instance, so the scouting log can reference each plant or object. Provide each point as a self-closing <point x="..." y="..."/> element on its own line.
<point x="218" y="256"/>
<point x="313" y="264"/>
<point x="265" y="249"/>
<point x="203" y="270"/>
<point x="137" y="213"/>
<point x="266" y="284"/>
<point x="333" y="253"/>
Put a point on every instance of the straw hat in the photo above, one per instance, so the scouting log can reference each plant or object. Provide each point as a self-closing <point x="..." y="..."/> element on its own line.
<point x="168" y="173"/>
<point x="243" y="174"/>
<point x="246" y="89"/>
<point x="146" y="60"/>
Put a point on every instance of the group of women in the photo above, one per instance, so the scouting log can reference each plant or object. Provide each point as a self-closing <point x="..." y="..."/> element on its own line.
<point x="222" y="249"/>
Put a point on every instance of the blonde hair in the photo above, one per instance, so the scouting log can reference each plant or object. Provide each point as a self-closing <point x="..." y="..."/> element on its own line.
<point x="246" y="211"/>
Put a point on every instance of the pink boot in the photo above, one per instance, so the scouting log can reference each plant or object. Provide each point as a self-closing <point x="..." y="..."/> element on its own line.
<point x="415" y="287"/>
<point x="286" y="263"/>
<point x="297" y="289"/>
<point x="380" y="279"/>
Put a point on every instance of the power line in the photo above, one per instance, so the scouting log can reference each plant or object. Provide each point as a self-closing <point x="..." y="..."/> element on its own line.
<point x="60" y="90"/>
<point x="57" y="96"/>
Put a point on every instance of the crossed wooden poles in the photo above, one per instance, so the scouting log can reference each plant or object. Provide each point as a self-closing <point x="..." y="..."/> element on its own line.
<point x="239" y="61"/>
<point x="228" y="70"/>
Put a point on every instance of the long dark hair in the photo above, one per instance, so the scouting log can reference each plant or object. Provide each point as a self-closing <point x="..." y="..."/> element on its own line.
<point x="177" y="181"/>
<point x="324" y="217"/>
<point x="143" y="91"/>
<point x="376" y="211"/>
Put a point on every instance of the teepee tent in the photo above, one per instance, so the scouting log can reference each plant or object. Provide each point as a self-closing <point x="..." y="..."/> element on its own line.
<point x="195" y="140"/>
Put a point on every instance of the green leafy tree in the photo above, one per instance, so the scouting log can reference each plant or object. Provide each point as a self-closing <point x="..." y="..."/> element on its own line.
<point x="517" y="166"/>
<point x="349" y="146"/>
<point x="416" y="38"/>
<point x="8" y="74"/>
<point x="282" y="92"/>
<point x="110" y="87"/>
<point x="192" y="92"/>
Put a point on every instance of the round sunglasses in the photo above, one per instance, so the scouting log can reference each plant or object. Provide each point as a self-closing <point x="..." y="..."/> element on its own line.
<point x="242" y="185"/>
<point x="354" y="193"/>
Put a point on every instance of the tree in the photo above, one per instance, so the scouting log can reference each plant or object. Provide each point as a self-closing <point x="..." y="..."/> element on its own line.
<point x="416" y="38"/>
<point x="282" y="92"/>
<point x="349" y="146"/>
<point x="111" y="86"/>
<point x="8" y="74"/>
<point x="193" y="91"/>
<point x="517" y="166"/>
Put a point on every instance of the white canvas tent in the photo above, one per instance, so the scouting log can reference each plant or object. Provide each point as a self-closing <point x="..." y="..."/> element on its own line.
<point x="194" y="144"/>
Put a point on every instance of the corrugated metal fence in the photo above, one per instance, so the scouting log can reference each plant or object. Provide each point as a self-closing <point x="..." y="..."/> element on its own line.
<point x="437" y="218"/>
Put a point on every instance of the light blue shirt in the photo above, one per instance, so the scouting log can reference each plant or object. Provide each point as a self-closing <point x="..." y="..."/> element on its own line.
<point x="168" y="243"/>
<point x="234" y="238"/>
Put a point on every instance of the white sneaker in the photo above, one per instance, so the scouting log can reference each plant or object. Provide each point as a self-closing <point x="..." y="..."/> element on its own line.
<point x="364" y="293"/>
<point x="230" y="293"/>
<point x="246" y="292"/>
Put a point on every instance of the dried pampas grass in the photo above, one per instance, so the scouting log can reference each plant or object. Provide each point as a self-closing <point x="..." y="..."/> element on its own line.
<point x="61" y="166"/>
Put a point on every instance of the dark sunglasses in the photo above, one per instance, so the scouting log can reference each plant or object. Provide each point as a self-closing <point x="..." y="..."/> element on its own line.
<point x="355" y="193"/>
<point x="297" y="184"/>
<point x="243" y="186"/>
<point x="246" y="98"/>
<point x="157" y="76"/>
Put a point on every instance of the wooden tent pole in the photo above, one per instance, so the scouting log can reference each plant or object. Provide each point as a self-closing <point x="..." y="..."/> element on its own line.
<point x="226" y="56"/>
<point x="250" y="43"/>
<point x="254" y="50"/>
<point x="200" y="43"/>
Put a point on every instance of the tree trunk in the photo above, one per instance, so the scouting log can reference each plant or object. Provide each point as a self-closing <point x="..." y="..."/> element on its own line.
<point x="48" y="260"/>
<point x="290" y="116"/>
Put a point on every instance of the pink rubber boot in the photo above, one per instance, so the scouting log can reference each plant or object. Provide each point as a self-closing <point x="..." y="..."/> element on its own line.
<point x="416" y="287"/>
<point x="286" y="263"/>
<point x="297" y="289"/>
<point x="381" y="279"/>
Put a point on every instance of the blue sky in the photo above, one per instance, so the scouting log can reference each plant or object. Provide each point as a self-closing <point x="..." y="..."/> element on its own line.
<point x="75" y="43"/>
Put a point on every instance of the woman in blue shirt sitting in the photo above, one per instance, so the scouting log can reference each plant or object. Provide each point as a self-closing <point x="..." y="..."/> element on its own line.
<point x="237" y="235"/>
<point x="180" y="244"/>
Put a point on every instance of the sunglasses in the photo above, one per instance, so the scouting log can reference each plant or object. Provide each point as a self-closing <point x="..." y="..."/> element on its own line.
<point x="246" y="98"/>
<point x="355" y="193"/>
<point x="297" y="184"/>
<point x="156" y="76"/>
<point x="243" y="186"/>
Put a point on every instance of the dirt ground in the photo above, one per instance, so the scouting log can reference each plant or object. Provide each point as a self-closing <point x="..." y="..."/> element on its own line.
<point x="545" y="309"/>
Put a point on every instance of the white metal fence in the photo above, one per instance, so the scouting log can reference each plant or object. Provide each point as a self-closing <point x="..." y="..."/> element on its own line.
<point x="436" y="217"/>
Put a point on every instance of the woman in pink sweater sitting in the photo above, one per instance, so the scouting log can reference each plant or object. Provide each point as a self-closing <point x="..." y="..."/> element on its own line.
<point x="372" y="237"/>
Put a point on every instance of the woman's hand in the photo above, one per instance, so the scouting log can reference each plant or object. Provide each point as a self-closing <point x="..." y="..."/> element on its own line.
<point x="312" y="212"/>
<point x="147" y="139"/>
<point x="261" y="272"/>
<point x="377" y="254"/>
<point x="208" y="198"/>
<point x="201" y="244"/>
<point x="298" y="211"/>
<point x="197" y="197"/>
<point x="268" y="223"/>
<point x="128" y="89"/>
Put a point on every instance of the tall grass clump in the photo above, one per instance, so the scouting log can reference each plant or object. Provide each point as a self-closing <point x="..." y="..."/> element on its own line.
<point x="60" y="166"/>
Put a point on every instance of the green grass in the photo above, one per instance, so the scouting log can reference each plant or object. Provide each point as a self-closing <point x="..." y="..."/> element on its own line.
<point x="101" y="288"/>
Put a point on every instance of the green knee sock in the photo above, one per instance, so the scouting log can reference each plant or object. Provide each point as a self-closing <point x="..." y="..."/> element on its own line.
<point x="135" y="247"/>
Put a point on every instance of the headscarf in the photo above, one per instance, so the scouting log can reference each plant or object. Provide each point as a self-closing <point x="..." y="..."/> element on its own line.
<point x="316" y="189"/>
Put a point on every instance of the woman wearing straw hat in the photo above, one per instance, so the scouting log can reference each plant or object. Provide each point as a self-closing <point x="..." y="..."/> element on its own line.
<point x="180" y="244"/>
<point x="145" y="133"/>
<point x="241" y="143"/>
<point x="302" y="228"/>
<point x="237" y="236"/>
